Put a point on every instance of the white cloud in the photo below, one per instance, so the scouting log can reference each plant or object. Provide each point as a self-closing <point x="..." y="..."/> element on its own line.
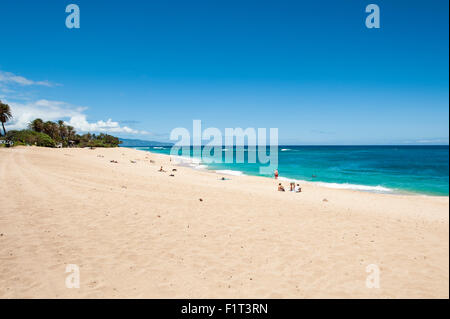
<point x="24" y="113"/>
<point x="27" y="110"/>
<point x="427" y="141"/>
<point x="80" y="123"/>
<point x="11" y="78"/>
<point x="432" y="141"/>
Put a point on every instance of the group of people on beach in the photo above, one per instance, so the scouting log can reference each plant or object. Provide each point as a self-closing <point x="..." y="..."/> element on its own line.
<point x="293" y="187"/>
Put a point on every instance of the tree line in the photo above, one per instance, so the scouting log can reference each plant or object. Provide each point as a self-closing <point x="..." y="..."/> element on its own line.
<point x="52" y="134"/>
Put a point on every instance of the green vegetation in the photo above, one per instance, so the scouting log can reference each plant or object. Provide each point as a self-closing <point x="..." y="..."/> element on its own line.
<point x="51" y="134"/>
<point x="92" y="140"/>
<point x="29" y="137"/>
<point x="5" y="115"/>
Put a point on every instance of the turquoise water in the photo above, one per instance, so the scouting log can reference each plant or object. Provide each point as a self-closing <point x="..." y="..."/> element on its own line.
<point x="387" y="169"/>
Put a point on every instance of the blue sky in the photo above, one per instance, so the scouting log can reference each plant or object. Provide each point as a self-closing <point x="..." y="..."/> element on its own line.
<point x="312" y="69"/>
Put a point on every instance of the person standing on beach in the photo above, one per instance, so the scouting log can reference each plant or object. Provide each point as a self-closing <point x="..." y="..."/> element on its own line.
<point x="276" y="174"/>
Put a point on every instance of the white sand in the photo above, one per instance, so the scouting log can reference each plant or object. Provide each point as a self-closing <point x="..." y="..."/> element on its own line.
<point x="136" y="232"/>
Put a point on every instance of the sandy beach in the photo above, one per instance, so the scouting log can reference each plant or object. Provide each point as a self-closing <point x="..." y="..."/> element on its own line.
<point x="135" y="232"/>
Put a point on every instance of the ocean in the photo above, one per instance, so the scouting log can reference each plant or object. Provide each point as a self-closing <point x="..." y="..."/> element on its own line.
<point x="384" y="169"/>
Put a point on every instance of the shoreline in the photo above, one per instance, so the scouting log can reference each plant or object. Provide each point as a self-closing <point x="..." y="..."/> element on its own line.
<point x="339" y="186"/>
<point x="136" y="232"/>
<point x="316" y="186"/>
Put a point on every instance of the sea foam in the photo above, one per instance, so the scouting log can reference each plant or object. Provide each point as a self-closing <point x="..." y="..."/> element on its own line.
<point x="366" y="188"/>
<point x="378" y="189"/>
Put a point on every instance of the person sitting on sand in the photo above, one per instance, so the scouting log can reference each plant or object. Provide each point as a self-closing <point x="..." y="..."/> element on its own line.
<point x="161" y="169"/>
<point x="298" y="189"/>
<point x="280" y="188"/>
<point x="292" y="186"/>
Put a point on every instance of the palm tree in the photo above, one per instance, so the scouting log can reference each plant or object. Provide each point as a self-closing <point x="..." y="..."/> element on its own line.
<point x="70" y="132"/>
<point x="5" y="115"/>
<point x="62" y="130"/>
<point x="37" y="125"/>
<point x="51" y="129"/>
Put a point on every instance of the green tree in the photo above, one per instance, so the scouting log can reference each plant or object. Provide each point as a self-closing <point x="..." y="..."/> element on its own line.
<point x="52" y="130"/>
<point x="28" y="137"/>
<point x="5" y="115"/>
<point x="37" y="125"/>
<point x="62" y="130"/>
<point x="70" y="132"/>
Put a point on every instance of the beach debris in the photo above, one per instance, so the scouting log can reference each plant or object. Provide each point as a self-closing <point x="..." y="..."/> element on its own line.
<point x="171" y="175"/>
<point x="113" y="161"/>
<point x="174" y="170"/>
<point x="152" y="161"/>
<point x="134" y="162"/>
<point x="123" y="186"/>
<point x="324" y="200"/>
<point x="100" y="155"/>
<point x="200" y="199"/>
